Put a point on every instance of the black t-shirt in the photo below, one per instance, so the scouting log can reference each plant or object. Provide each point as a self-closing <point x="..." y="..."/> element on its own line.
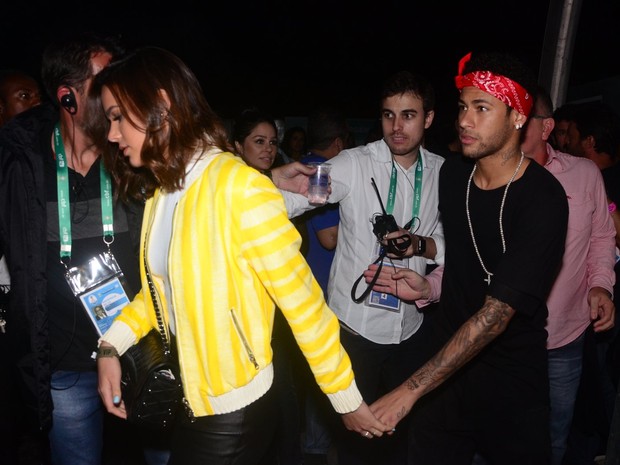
<point x="73" y="336"/>
<point x="514" y="366"/>
<point x="611" y="178"/>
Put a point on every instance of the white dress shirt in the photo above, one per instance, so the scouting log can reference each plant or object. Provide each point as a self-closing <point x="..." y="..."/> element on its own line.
<point x="351" y="174"/>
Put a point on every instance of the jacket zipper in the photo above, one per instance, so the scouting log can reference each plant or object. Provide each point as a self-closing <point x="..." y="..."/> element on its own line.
<point x="244" y="340"/>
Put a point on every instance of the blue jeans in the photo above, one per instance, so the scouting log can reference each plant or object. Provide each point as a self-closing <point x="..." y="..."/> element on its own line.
<point x="317" y="438"/>
<point x="565" y="364"/>
<point x="76" y="437"/>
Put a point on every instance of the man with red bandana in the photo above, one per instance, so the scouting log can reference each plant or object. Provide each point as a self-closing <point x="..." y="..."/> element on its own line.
<point x="486" y="389"/>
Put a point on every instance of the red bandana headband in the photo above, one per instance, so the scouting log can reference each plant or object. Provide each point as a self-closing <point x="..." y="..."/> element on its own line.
<point x="500" y="87"/>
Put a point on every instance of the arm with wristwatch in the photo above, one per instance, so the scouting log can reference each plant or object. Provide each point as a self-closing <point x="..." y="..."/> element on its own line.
<point x="420" y="246"/>
<point x="293" y="177"/>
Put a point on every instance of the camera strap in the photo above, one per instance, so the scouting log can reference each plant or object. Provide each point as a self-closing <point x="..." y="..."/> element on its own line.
<point x="417" y="189"/>
<point x="378" y="261"/>
<point x="417" y="194"/>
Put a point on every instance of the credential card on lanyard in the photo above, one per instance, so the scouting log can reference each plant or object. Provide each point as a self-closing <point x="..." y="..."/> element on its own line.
<point x="100" y="285"/>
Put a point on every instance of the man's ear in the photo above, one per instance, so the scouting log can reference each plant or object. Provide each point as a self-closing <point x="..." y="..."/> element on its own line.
<point x="520" y="119"/>
<point x="428" y="119"/>
<point x="548" y="125"/>
<point x="589" y="142"/>
<point x="67" y="99"/>
<point x="338" y="144"/>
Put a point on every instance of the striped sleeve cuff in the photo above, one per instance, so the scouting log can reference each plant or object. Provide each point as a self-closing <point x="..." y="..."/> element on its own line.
<point x="347" y="400"/>
<point x="120" y="336"/>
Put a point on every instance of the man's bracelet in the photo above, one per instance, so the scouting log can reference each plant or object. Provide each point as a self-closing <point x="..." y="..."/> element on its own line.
<point x="107" y="351"/>
<point x="612" y="207"/>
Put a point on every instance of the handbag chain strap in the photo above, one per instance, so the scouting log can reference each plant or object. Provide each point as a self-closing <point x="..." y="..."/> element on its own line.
<point x="155" y="299"/>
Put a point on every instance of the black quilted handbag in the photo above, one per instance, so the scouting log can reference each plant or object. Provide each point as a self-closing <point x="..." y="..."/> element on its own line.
<point x="150" y="382"/>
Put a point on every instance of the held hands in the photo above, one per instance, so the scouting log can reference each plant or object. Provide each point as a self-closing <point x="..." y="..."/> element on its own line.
<point x="395" y="405"/>
<point x="109" y="370"/>
<point x="404" y="283"/>
<point x="363" y="422"/>
<point x="602" y="309"/>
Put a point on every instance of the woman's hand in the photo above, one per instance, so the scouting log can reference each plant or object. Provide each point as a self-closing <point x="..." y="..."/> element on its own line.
<point x="362" y="421"/>
<point x="109" y="370"/>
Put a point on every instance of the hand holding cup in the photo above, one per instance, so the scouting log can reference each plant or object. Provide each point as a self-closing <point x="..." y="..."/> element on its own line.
<point x="318" y="189"/>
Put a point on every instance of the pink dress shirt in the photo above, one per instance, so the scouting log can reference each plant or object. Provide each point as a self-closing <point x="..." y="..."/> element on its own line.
<point x="589" y="254"/>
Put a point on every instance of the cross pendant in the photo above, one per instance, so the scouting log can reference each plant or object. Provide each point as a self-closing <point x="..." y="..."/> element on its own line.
<point x="488" y="279"/>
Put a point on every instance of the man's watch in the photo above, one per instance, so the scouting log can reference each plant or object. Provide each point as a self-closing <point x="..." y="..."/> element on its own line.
<point x="421" y="246"/>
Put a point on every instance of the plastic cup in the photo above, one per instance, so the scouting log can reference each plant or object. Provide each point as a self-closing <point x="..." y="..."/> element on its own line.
<point x="319" y="184"/>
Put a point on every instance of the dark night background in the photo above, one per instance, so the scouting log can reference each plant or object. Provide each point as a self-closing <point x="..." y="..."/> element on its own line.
<point x="286" y="56"/>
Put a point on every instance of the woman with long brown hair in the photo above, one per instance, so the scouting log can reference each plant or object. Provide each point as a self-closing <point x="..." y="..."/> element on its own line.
<point x="221" y="252"/>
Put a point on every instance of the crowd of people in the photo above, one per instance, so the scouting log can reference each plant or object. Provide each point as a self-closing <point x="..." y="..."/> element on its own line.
<point x="450" y="304"/>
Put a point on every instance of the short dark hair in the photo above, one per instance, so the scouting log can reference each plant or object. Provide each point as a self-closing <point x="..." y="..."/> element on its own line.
<point x="6" y="75"/>
<point x="67" y="61"/>
<point x="599" y="120"/>
<point x="326" y="124"/>
<point x="564" y="112"/>
<point x="542" y="102"/>
<point x="405" y="82"/>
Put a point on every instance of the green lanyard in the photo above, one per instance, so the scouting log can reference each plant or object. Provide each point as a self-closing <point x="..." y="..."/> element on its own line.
<point x="417" y="190"/>
<point x="64" y="209"/>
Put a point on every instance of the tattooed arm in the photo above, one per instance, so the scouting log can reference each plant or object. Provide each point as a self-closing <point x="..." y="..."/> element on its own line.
<point x="488" y="323"/>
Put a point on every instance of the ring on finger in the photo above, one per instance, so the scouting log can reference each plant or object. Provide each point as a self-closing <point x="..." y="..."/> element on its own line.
<point x="368" y="434"/>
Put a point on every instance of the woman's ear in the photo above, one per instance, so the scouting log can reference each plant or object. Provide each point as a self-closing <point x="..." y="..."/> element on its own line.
<point x="238" y="148"/>
<point x="164" y="96"/>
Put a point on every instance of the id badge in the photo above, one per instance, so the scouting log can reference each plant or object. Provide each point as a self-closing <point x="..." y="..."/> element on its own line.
<point x="101" y="287"/>
<point x="383" y="300"/>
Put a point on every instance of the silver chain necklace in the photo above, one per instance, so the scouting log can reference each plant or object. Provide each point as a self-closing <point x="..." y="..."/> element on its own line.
<point x="501" y="214"/>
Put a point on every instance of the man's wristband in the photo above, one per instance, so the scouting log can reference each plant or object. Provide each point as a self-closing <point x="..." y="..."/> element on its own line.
<point x="421" y="247"/>
<point x="107" y="351"/>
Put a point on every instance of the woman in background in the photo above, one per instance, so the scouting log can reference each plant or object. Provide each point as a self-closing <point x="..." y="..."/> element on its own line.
<point x="255" y="137"/>
<point x="294" y="143"/>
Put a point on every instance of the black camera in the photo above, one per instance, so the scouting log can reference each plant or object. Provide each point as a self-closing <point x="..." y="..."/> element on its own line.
<point x="382" y="225"/>
<point x="385" y="223"/>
